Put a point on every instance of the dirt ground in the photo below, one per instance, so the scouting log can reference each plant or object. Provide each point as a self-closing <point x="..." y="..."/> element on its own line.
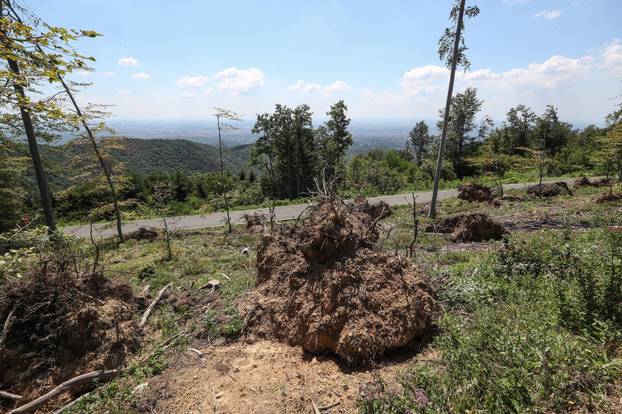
<point x="263" y="377"/>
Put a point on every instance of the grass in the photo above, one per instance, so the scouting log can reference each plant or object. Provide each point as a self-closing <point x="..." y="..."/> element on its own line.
<point x="531" y="327"/>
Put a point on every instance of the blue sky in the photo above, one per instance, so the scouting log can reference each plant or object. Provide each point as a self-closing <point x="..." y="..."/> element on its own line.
<point x="177" y="60"/>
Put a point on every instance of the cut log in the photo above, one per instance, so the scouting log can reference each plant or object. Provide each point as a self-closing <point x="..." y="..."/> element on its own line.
<point x="64" y="387"/>
<point x="152" y="305"/>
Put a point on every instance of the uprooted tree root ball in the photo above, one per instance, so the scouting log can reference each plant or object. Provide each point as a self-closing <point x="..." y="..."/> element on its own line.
<point x="323" y="285"/>
<point x="549" y="189"/>
<point x="62" y="326"/>
<point x="475" y="192"/>
<point x="475" y="227"/>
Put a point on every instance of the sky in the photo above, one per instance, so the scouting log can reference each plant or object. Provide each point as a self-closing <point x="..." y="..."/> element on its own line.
<point x="177" y="60"/>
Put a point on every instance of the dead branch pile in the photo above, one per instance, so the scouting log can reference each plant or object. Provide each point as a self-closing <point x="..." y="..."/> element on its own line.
<point x="323" y="285"/>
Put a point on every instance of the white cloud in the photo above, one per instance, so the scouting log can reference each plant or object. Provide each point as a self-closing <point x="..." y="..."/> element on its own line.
<point x="141" y="76"/>
<point x="239" y="80"/>
<point x="109" y="73"/>
<point x="548" y="14"/>
<point x="83" y="72"/>
<point x="612" y="55"/>
<point x="192" y="81"/>
<point x="302" y="86"/>
<point x="431" y="79"/>
<point x="128" y="61"/>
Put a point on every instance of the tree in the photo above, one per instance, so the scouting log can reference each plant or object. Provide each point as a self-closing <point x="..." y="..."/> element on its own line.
<point x="610" y="154"/>
<point x="419" y="141"/>
<point x="520" y="124"/>
<point x="464" y="108"/>
<point x="222" y="116"/>
<point x="334" y="140"/>
<point x="46" y="53"/>
<point x="304" y="142"/>
<point x="553" y="133"/>
<point x="490" y="158"/>
<point x="452" y="56"/>
<point x="162" y="193"/>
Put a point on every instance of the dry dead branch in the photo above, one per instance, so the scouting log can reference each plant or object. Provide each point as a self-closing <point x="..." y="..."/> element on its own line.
<point x="9" y="396"/>
<point x="152" y="305"/>
<point x="7" y="326"/>
<point x="64" y="387"/>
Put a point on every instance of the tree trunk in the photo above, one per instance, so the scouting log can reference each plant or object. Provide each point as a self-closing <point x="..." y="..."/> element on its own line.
<point x="100" y="158"/>
<point x="42" y="182"/>
<point x="222" y="175"/>
<point x="452" y="77"/>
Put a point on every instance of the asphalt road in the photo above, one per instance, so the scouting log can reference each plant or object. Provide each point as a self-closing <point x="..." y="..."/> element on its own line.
<point x="237" y="217"/>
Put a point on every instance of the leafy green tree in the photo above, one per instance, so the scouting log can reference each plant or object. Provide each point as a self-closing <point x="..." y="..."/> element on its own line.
<point x="610" y="153"/>
<point x="419" y="141"/>
<point x="464" y="108"/>
<point x="553" y="133"/>
<point x="334" y="139"/>
<point x="305" y="147"/>
<point x="45" y="53"/>
<point x="520" y="123"/>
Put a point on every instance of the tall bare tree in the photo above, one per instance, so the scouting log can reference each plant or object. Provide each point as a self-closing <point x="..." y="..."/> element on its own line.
<point x="452" y="56"/>
<point x="222" y="116"/>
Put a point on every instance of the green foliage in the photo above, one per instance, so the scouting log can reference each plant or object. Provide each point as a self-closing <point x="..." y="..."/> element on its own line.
<point x="533" y="327"/>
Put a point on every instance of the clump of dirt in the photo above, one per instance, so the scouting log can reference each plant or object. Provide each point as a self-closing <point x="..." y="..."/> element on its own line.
<point x="62" y="326"/>
<point x="582" y="182"/>
<point x="605" y="198"/>
<point x="324" y="286"/>
<point x="549" y="189"/>
<point x="474" y="227"/>
<point x="475" y="192"/>
<point x="144" y="233"/>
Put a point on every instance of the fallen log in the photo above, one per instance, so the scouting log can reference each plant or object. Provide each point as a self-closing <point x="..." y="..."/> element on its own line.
<point x="64" y="387"/>
<point x="152" y="305"/>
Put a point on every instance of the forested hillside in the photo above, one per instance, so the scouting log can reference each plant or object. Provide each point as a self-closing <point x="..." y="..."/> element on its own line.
<point x="145" y="157"/>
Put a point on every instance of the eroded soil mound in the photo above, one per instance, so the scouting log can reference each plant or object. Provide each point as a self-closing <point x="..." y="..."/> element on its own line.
<point x="549" y="189"/>
<point x="475" y="192"/>
<point x="62" y="326"/>
<point x="475" y="227"/>
<point x="324" y="286"/>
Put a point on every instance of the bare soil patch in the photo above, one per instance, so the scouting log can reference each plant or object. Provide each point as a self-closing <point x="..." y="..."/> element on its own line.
<point x="323" y="285"/>
<point x="262" y="378"/>
<point x="605" y="198"/>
